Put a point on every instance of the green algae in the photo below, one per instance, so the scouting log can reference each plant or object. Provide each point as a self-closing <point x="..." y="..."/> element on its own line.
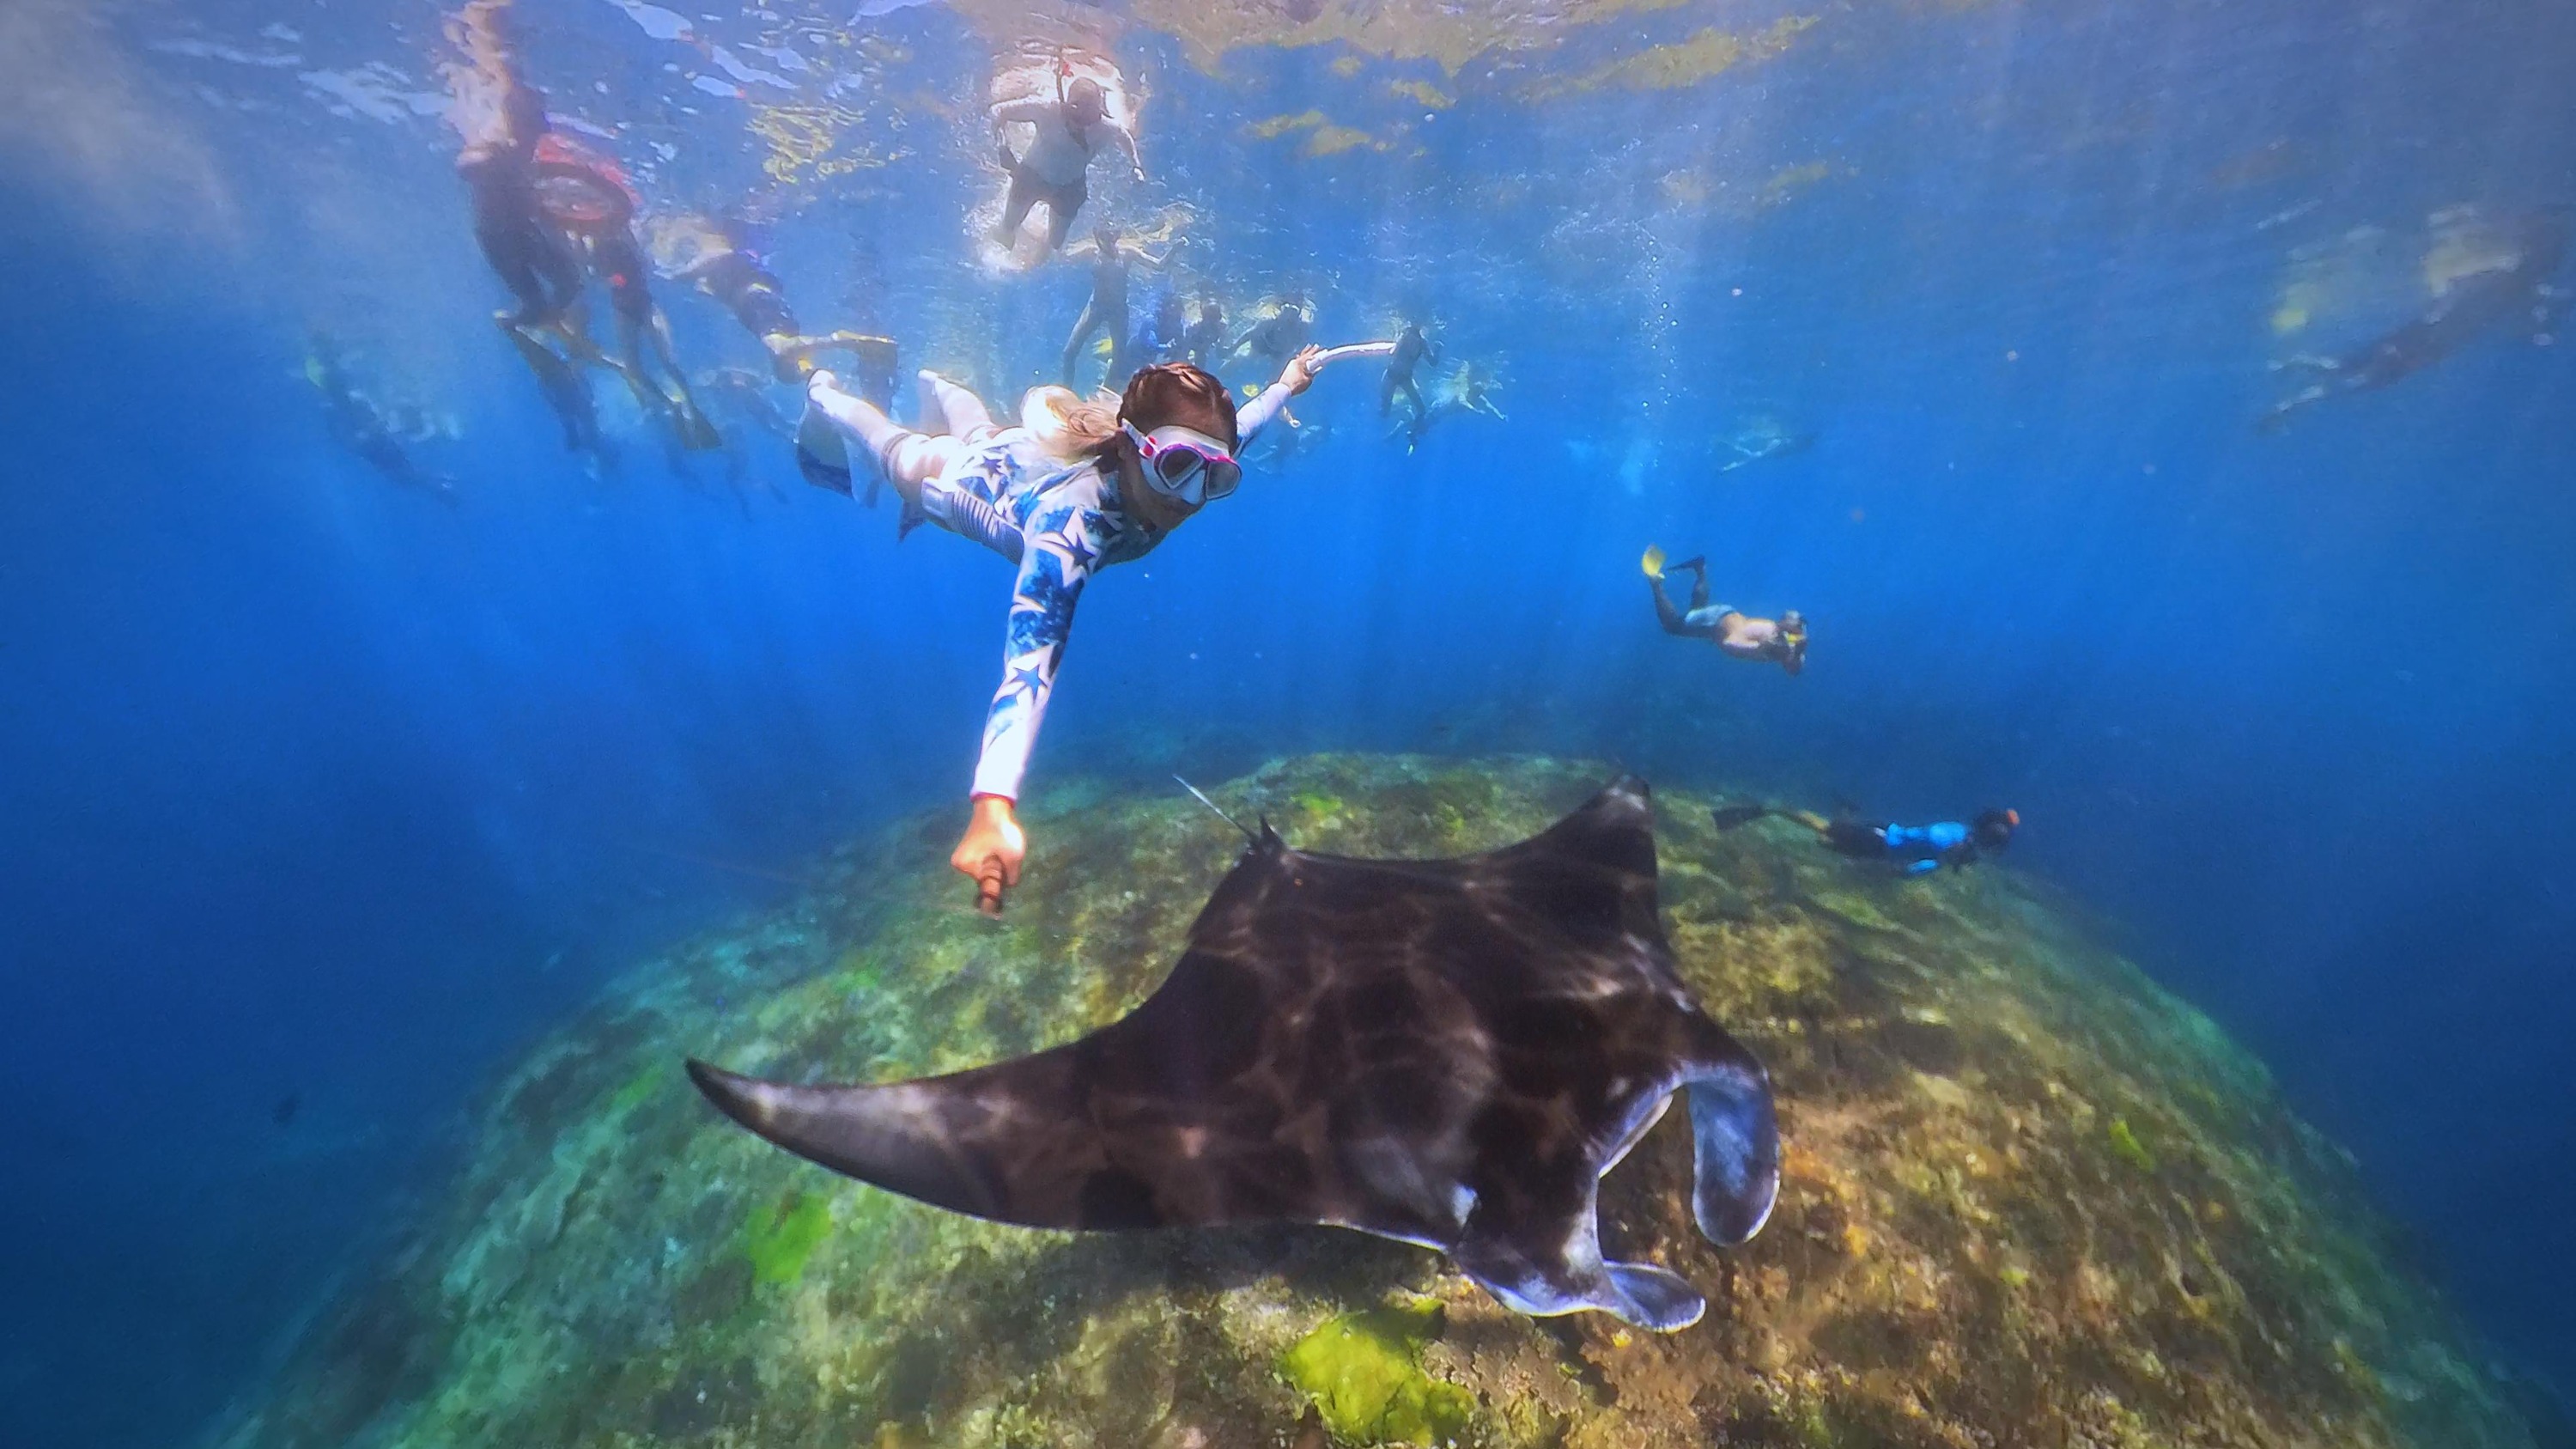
<point x="640" y="1088"/>
<point x="1318" y="805"/>
<point x="1962" y="1253"/>
<point x="2125" y="1143"/>
<point x="860" y="974"/>
<point x="780" y="1237"/>
<point x="1363" y="1372"/>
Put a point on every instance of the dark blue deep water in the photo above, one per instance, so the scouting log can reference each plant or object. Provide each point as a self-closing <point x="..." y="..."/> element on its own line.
<point x="320" y="797"/>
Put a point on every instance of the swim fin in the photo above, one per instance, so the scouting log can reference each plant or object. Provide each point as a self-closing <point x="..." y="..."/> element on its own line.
<point x="1653" y="562"/>
<point x="1733" y="817"/>
<point x="696" y="433"/>
<point x="562" y="385"/>
<point x="822" y="453"/>
<point x="553" y="373"/>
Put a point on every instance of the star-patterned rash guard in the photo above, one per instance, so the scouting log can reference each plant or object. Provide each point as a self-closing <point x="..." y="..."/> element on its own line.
<point x="1060" y="525"/>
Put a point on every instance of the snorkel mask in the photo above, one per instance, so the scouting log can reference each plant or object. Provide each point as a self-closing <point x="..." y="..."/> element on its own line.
<point x="1185" y="465"/>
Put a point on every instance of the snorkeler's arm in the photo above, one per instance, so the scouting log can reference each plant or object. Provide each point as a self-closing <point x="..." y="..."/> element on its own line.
<point x="1260" y="413"/>
<point x="1064" y="541"/>
<point x="1127" y="143"/>
<point x="1026" y="108"/>
<point x="1923" y="867"/>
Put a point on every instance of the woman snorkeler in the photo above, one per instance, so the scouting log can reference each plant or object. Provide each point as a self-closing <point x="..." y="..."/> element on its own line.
<point x="1080" y="485"/>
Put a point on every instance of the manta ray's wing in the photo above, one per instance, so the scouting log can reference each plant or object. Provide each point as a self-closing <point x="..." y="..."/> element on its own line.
<point x="1200" y="1107"/>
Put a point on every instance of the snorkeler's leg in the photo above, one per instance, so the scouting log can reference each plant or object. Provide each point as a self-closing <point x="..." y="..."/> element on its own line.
<point x="908" y="458"/>
<point x="696" y="432"/>
<point x="1665" y="613"/>
<point x="1064" y="203"/>
<point x="960" y="413"/>
<point x="629" y="363"/>
<point x="557" y="382"/>
<point x="1083" y="327"/>
<point x="1697" y="568"/>
<point x="1015" y="205"/>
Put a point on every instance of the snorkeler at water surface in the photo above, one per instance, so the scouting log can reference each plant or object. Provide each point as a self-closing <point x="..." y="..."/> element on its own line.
<point x="1202" y="343"/>
<point x="1284" y="333"/>
<point x="1412" y="350"/>
<point x="1094" y="486"/>
<point x="505" y="122"/>
<point x="1782" y="641"/>
<point x="1159" y="337"/>
<point x="1920" y="849"/>
<point x="1071" y="126"/>
<point x="2517" y="286"/>
<point x="644" y="349"/>
<point x="1469" y="391"/>
<point x="718" y="258"/>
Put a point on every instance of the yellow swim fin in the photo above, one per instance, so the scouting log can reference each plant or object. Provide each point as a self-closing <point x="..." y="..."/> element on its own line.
<point x="1653" y="562"/>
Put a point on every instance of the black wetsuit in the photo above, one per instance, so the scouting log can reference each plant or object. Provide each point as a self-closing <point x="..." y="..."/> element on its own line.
<point x="619" y="262"/>
<point x="748" y="289"/>
<point x="522" y="246"/>
<point x="1411" y="350"/>
<point x="1105" y="311"/>
<point x="1202" y="341"/>
<point x="1278" y="337"/>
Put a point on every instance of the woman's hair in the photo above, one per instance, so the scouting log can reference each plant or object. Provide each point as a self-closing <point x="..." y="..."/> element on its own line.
<point x="1067" y="425"/>
<point x="1170" y="392"/>
<point x="1073" y="427"/>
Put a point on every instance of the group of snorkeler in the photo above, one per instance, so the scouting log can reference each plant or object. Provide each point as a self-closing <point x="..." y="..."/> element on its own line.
<point x="552" y="215"/>
<point x="1066" y="486"/>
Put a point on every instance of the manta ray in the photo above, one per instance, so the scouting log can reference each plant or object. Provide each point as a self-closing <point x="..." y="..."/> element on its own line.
<point x="1447" y="1052"/>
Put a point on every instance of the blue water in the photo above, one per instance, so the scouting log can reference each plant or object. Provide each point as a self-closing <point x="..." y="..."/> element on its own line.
<point x="322" y="798"/>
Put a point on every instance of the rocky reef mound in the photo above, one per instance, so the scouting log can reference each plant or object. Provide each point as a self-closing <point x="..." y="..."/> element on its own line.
<point x="2028" y="1198"/>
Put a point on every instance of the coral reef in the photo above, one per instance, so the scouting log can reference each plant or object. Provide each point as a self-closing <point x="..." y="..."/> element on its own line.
<point x="2028" y="1198"/>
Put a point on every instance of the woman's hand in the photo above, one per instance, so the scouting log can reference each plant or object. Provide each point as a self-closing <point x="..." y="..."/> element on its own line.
<point x="991" y="852"/>
<point x="1300" y="372"/>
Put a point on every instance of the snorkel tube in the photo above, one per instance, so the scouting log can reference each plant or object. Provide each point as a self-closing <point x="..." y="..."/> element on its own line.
<point x="1349" y="350"/>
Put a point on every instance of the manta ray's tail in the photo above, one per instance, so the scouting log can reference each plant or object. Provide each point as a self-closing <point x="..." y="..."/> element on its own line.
<point x="1004" y="1143"/>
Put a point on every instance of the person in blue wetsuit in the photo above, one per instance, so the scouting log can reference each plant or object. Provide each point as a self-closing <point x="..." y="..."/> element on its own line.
<point x="1920" y="849"/>
<point x="1087" y="487"/>
<point x="1159" y="338"/>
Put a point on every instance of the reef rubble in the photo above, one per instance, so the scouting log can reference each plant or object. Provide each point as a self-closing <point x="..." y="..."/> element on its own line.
<point x="2028" y="1198"/>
